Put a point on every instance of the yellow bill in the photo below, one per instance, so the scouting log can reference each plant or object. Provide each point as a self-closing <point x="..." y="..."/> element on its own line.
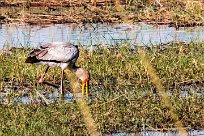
<point x="85" y="84"/>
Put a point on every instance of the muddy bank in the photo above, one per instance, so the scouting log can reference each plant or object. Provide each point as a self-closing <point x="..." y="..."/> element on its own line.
<point x="175" y="14"/>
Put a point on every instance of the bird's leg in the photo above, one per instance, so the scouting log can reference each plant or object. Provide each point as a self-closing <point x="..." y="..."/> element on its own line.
<point x="61" y="86"/>
<point x="43" y="75"/>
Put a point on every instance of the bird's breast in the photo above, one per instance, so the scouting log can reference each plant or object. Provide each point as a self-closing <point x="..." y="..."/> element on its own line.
<point x="64" y="65"/>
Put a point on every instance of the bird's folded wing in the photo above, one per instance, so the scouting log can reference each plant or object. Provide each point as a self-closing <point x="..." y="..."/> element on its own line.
<point x="58" y="54"/>
<point x="37" y="52"/>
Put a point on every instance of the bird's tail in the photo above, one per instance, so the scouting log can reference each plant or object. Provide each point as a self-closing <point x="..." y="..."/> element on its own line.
<point x="32" y="56"/>
<point x="31" y="59"/>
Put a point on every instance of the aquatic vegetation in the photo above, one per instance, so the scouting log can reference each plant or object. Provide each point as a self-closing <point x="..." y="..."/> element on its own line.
<point x="123" y="96"/>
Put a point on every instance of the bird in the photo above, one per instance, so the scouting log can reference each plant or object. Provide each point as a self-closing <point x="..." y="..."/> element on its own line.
<point x="60" y="54"/>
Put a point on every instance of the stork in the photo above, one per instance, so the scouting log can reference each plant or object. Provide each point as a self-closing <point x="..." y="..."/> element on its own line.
<point x="59" y="54"/>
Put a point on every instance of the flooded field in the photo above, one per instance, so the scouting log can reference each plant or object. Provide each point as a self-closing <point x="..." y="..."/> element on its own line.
<point x="22" y="35"/>
<point x="19" y="94"/>
<point x="123" y="94"/>
<point x="133" y="91"/>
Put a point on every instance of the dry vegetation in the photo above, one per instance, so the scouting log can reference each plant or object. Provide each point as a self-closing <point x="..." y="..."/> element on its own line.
<point x="174" y="12"/>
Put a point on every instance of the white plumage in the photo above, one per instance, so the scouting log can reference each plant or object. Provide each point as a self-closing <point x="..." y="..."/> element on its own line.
<point x="55" y="54"/>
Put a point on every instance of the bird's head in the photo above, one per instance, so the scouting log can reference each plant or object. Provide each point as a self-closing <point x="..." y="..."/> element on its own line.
<point x="84" y="76"/>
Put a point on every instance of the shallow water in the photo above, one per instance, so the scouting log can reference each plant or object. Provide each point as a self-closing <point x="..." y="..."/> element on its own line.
<point x="12" y="94"/>
<point x="28" y="96"/>
<point x="22" y="35"/>
<point x="157" y="133"/>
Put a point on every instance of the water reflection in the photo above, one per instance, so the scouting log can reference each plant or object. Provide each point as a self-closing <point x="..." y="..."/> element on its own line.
<point x="157" y="133"/>
<point x="23" y="35"/>
<point x="10" y="95"/>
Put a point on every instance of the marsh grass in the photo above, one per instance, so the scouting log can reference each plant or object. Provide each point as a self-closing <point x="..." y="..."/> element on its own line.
<point x="161" y="91"/>
<point x="123" y="95"/>
<point x="56" y="119"/>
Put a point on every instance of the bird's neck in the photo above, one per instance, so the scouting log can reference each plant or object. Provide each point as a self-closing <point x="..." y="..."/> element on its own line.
<point x="81" y="73"/>
<point x="74" y="68"/>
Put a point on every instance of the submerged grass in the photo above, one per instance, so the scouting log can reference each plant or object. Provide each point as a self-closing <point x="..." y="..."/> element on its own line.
<point x="123" y="95"/>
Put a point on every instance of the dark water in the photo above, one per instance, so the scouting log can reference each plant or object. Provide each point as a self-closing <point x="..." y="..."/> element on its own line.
<point x="22" y="35"/>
